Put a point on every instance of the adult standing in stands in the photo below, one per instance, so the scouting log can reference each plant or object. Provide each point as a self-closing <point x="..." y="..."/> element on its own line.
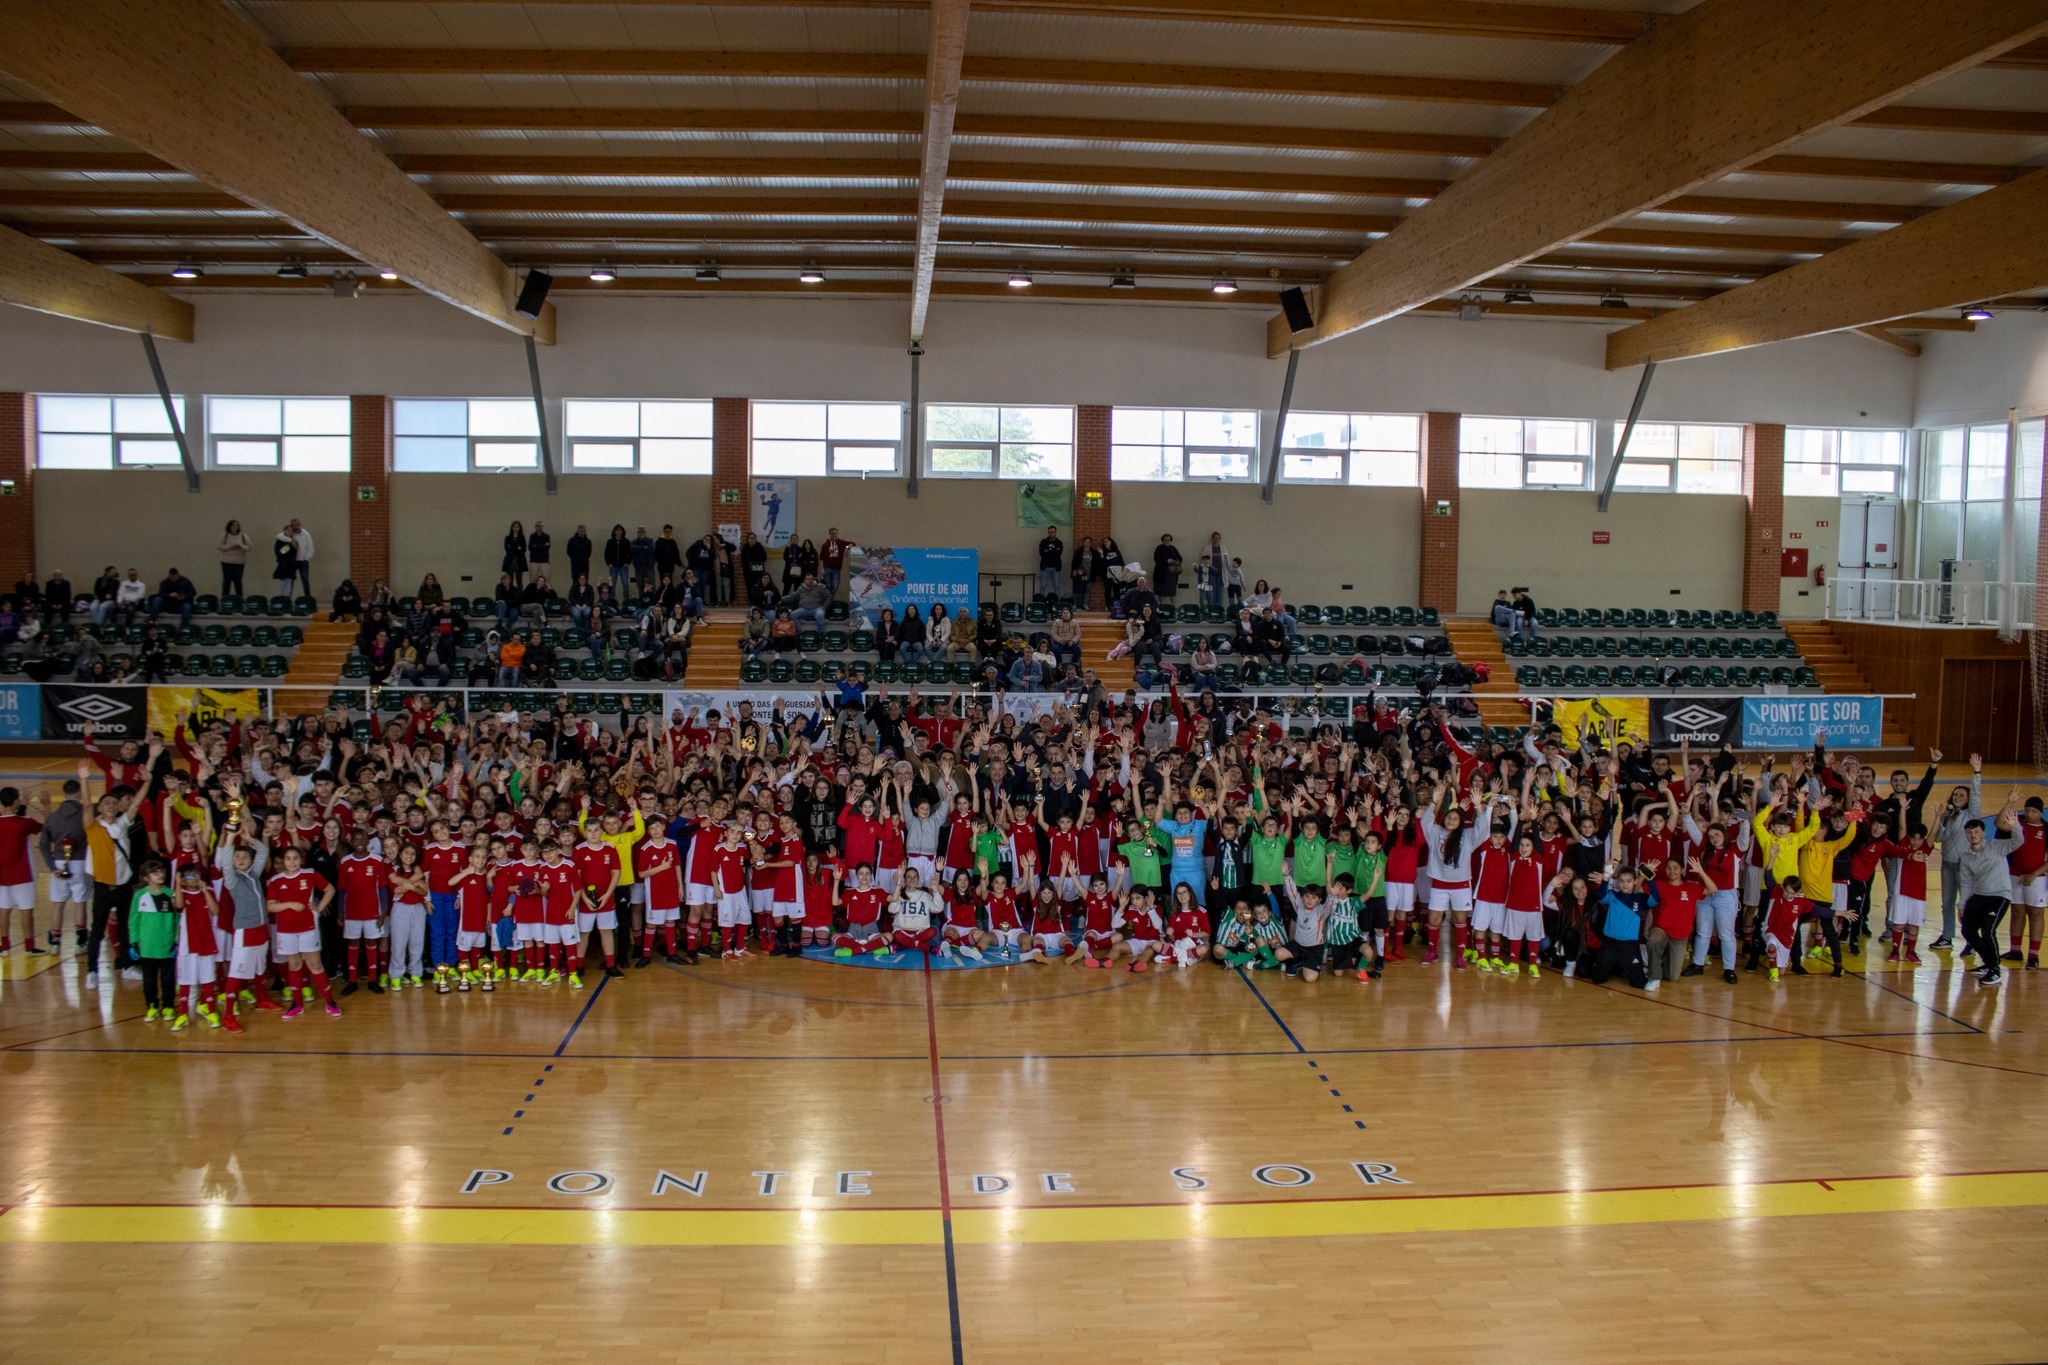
<point x="234" y="558"/>
<point x="1086" y="567"/>
<point x="579" y="553"/>
<point x="668" y="555"/>
<point x="1052" y="553"/>
<point x="1215" y="564"/>
<point x="539" y="545"/>
<point x="514" y="562"/>
<point x="304" y="539"/>
<point x="618" y="561"/>
<point x="832" y="558"/>
<point x="1166" y="569"/>
<point x="285" y="551"/>
<point x="643" y="559"/>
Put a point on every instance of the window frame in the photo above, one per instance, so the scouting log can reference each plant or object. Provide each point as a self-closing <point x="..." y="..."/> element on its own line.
<point x="1524" y="455"/>
<point x="1837" y="461"/>
<point x="471" y="438"/>
<point x="635" y="445"/>
<point x="1189" y="449"/>
<point x="1674" y="463"/>
<point x="1349" y="453"/>
<point x="994" y="448"/>
<point x="281" y="440"/>
<point x="115" y="435"/>
<point x="833" y="445"/>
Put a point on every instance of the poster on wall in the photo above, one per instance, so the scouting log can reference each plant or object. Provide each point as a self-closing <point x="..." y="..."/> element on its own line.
<point x="21" y="711"/>
<point x="1798" y="722"/>
<point x="1625" y="718"/>
<point x="774" y="511"/>
<point x="204" y="705"/>
<point x="896" y="578"/>
<point x="1045" y="504"/>
<point x="115" y="713"/>
<point x="1705" y="722"/>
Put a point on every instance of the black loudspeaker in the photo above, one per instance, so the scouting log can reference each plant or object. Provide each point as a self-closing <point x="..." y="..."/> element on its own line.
<point x="534" y="293"/>
<point x="1294" y="304"/>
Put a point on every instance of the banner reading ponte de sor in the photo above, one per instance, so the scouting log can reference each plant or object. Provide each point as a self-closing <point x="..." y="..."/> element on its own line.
<point x="1795" y="722"/>
<point x="896" y="578"/>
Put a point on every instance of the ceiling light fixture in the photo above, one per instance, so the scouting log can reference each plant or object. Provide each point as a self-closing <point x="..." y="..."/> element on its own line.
<point x="187" y="271"/>
<point x="1020" y="279"/>
<point x="707" y="274"/>
<point x="810" y="274"/>
<point x="1470" y="309"/>
<point x="292" y="270"/>
<point x="1223" y="284"/>
<point x="602" y="274"/>
<point x="1977" y="312"/>
<point x="387" y="274"/>
<point x="1613" y="299"/>
<point x="345" y="285"/>
<point x="1123" y="281"/>
<point x="1516" y="294"/>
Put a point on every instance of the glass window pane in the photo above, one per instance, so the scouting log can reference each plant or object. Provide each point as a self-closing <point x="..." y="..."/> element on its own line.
<point x="1649" y="441"/>
<point x="2031" y="434"/>
<point x="245" y="416"/>
<point x="1810" y="481"/>
<point x="1809" y="445"/>
<point x="1987" y="465"/>
<point x="1710" y="476"/>
<point x="789" y="421"/>
<point x="1555" y="473"/>
<point x="863" y="459"/>
<point x="74" y="450"/>
<point x="589" y="417"/>
<point x="1870" y="481"/>
<point x="600" y="455"/>
<point x="133" y="452"/>
<point x="1943" y="462"/>
<point x="507" y="454"/>
<point x="1145" y="464"/>
<point x="1219" y="464"/>
<point x="1039" y="426"/>
<point x="667" y="455"/>
<point x="430" y="455"/>
<point x="316" y="417"/>
<point x="316" y="454"/>
<point x="804" y="459"/>
<point x="1385" y="431"/>
<point x="1560" y="438"/>
<point x="957" y="422"/>
<point x="866" y="422"/>
<point x="1980" y="536"/>
<point x="1385" y="469"/>
<point x="1141" y="426"/>
<point x="247" y="454"/>
<point x="1326" y="467"/>
<point x="963" y="460"/>
<point x="1491" y="436"/>
<point x="1873" y="447"/>
<point x="1477" y="469"/>
<point x="1316" y="431"/>
<point x="430" y="417"/>
<point x="1939" y="524"/>
<point x="1043" y="461"/>
<point x="145" y="415"/>
<point x="502" y="417"/>
<point x="1632" y="474"/>
<point x="66" y="413"/>
<point x="692" y="420"/>
<point x="1228" y="429"/>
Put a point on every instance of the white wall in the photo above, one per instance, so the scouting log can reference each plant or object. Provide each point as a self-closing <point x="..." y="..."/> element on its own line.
<point x="1663" y="549"/>
<point x="1976" y="376"/>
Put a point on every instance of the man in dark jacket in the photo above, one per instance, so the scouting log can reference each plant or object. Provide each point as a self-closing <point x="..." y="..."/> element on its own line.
<point x="643" y="559"/>
<point x="579" y="553"/>
<point x="668" y="555"/>
<point x="1052" y="552"/>
<point x="539" y="544"/>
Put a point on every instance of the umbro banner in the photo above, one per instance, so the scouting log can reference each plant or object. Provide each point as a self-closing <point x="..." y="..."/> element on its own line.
<point x="1704" y="722"/>
<point x="115" y="713"/>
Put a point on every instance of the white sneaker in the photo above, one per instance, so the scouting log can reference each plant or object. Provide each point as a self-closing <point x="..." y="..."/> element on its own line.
<point x="131" y="973"/>
<point x="974" y="953"/>
<point x="1571" y="969"/>
<point x="1652" y="984"/>
<point x="92" y="980"/>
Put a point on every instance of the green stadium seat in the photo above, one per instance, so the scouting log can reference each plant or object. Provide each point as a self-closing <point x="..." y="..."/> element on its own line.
<point x="213" y="636"/>
<point x="862" y="642"/>
<point x="1318" y="645"/>
<point x="1301" y="675"/>
<point x="807" y="670"/>
<point x="1717" y="676"/>
<point x="238" y="636"/>
<point x="1354" y="674"/>
<point x="836" y="611"/>
<point x="1781" y="676"/>
<point x="1428" y="616"/>
<point x="616" y="670"/>
<point x="962" y="671"/>
<point x="1309" y="615"/>
<point x="1724" y="647"/>
<point x="1214" y="615"/>
<point x="753" y="671"/>
<point x="1610" y="647"/>
<point x="807" y="641"/>
<point x="834" y="641"/>
<point x="1406" y="616"/>
<point x="1012" y="613"/>
<point x="1695" y="676"/>
<point x="885" y="671"/>
<point x="1625" y="675"/>
<point x="590" y="670"/>
<point x="1767" y="620"/>
<point x="1738" y="677"/>
<point x="1228" y="675"/>
<point x="781" y="671"/>
<point x="1598" y="676"/>
<point x="1803" y="676"/>
<point x="275" y="665"/>
<point x="1528" y="676"/>
<point x="1576" y="676"/>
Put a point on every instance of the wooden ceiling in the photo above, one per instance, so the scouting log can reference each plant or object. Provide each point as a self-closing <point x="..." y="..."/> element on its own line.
<point x="1170" y="142"/>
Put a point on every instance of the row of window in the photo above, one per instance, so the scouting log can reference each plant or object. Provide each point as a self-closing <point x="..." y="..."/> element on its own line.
<point x="1149" y="445"/>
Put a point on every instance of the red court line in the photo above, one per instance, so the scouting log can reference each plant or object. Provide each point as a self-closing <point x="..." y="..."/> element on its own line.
<point x="90" y="1028"/>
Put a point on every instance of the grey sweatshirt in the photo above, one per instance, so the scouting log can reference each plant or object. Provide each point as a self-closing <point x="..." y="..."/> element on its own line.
<point x="1982" y="871"/>
<point x="245" y="889"/>
<point x="66" y="824"/>
<point x="1949" y="832"/>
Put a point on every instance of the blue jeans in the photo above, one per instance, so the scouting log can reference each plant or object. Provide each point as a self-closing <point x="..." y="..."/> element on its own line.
<point x="1212" y="594"/>
<point x="1048" y="582"/>
<point x="156" y="607"/>
<point x="913" y="652"/>
<point x="621" y="580"/>
<point x="1716" y="916"/>
<point x="831" y="577"/>
<point x="306" y="577"/>
<point x="508" y="677"/>
<point x="441" y="925"/>
<point x="814" y="615"/>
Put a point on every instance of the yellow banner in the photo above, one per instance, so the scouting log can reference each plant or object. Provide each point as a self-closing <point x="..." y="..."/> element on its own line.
<point x="1611" y="719"/>
<point x="202" y="706"/>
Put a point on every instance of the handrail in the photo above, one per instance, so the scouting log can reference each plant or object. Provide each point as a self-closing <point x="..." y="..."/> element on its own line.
<point x="1929" y="602"/>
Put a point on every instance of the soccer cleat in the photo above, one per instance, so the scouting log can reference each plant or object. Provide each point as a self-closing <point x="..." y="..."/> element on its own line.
<point x="1507" y="968"/>
<point x="1457" y="964"/>
<point x="268" y="1005"/>
<point x="1139" y="966"/>
<point x="2033" y="962"/>
<point x="1429" y="957"/>
<point x="1943" y="942"/>
<point x="1799" y="969"/>
<point x="333" y="1010"/>
<point x="617" y="973"/>
<point x="1837" y="972"/>
<point x="149" y="1016"/>
<point x="1499" y="965"/>
<point x="181" y="1023"/>
<point x="212" y="1019"/>
<point x="836" y="952"/>
<point x="2011" y="955"/>
<point x="376" y="989"/>
<point x="1362" y="974"/>
<point x="551" y="978"/>
<point x="247" y="997"/>
<point x="1534" y="971"/>
<point x="1991" y="976"/>
<point x="972" y="952"/>
<point x="233" y="1025"/>
<point x="1912" y="956"/>
<point x="295" y="1011"/>
<point x="1692" y="969"/>
<point x="384" y="980"/>
<point x="575" y="981"/>
<point x="349" y="989"/>
<point x="92" y="979"/>
<point x="1774" y="974"/>
<point x="1483" y="964"/>
<point x="644" y="960"/>
<point x="1095" y="962"/>
<point x="1653" y="983"/>
<point x="415" y="982"/>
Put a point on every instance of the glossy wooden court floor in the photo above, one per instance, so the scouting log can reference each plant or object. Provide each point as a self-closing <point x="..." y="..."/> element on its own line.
<point x="792" y="1161"/>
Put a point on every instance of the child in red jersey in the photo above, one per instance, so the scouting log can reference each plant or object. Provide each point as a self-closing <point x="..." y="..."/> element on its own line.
<point x="198" y="948"/>
<point x="1049" y="941"/>
<point x="1187" y="930"/>
<point x="821" y="898"/>
<point x="297" y="898"/>
<point x="597" y="865"/>
<point x="473" y="918"/>
<point x="1908" y="909"/>
<point x="529" y="917"/>
<point x="864" y="905"/>
<point x="784" y="870"/>
<point x="363" y="879"/>
<point x="1098" y="925"/>
<point x="1006" y="922"/>
<point x="504" y="927"/>
<point x="561" y="896"/>
<point x="658" y="863"/>
<point x="1781" y="927"/>
<point x="1138" y="928"/>
<point x="730" y="863"/>
<point x="963" y="933"/>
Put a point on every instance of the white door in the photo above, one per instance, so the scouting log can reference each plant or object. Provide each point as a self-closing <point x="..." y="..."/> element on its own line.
<point x="1869" y="559"/>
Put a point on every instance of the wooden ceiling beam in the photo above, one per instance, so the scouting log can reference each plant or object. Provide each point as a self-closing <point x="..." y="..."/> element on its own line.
<point x="1983" y="247"/>
<point x="41" y="278"/>
<point x="1862" y="168"/>
<point x="1705" y="94"/>
<point x="1893" y="340"/>
<point x="2029" y="57"/>
<point x="1916" y="118"/>
<point x="905" y="66"/>
<point x="946" y="50"/>
<point x="192" y="83"/>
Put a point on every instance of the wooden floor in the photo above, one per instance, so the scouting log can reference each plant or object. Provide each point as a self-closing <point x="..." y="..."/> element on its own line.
<point x="1033" y="1164"/>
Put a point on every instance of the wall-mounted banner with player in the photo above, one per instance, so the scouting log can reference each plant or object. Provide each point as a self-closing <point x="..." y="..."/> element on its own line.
<point x="774" y="517"/>
<point x="21" y="711"/>
<point x="115" y="713"/>
<point x="1796" y="722"/>
<point x="899" y="578"/>
<point x="1704" y="722"/>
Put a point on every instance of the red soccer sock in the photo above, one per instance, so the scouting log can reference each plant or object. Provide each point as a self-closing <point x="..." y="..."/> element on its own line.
<point x="690" y="936"/>
<point x="262" y="989"/>
<point x="1461" y="937"/>
<point x="355" y="951"/>
<point x="647" y="941"/>
<point x="611" y="959"/>
<point x="294" y="978"/>
<point x="2034" y="946"/>
<point x="668" y="939"/>
<point x="371" y="958"/>
<point x="206" y="995"/>
<point x="1436" y="935"/>
<point x="184" y="999"/>
<point x="320" y="986"/>
<point x="572" y="958"/>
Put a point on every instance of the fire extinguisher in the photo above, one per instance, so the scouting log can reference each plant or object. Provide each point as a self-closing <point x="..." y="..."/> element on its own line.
<point x="1820" y="575"/>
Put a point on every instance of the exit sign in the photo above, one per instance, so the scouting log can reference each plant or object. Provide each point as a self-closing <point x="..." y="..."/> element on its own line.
<point x="728" y="497"/>
<point x="1819" y="524"/>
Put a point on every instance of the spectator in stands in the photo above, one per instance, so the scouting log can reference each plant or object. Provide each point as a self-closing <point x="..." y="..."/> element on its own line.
<point x="579" y="553"/>
<point x="302" y="541"/>
<point x="1027" y="672"/>
<point x="382" y="657"/>
<point x="284" y="552"/>
<point x="812" y="598"/>
<point x="1260" y="597"/>
<point x="1502" y="614"/>
<point x="1166" y="564"/>
<point x="582" y="601"/>
<point x="10" y="622"/>
<point x="234" y="558"/>
<point x="912" y="646"/>
<point x="723" y="567"/>
<point x="885" y="634"/>
<point x="643" y="560"/>
<point x="988" y="632"/>
<point x="130" y="596"/>
<point x="153" y="656"/>
<point x="668" y="554"/>
<point x="104" y="589"/>
<point x="1065" y="633"/>
<point x="348" y="602"/>
<point x="506" y="599"/>
<point x="832" y="559"/>
<point x="382" y="596"/>
<point x="430" y="594"/>
<point x="1151" y="639"/>
<point x="419" y="666"/>
<point x="754" y="634"/>
<point x="1137" y="597"/>
<point x="754" y="565"/>
<point x="618" y="561"/>
<point x="511" y="658"/>
<point x="690" y="593"/>
<point x="1233" y="584"/>
<point x="1052" y="553"/>
<point x="88" y="655"/>
<point x="1082" y="571"/>
<point x="675" y="643"/>
<point x="534" y="599"/>
<point x="539" y="664"/>
<point x="513" y="565"/>
<point x="944" y="641"/>
<point x="1202" y="665"/>
<point x="806" y="556"/>
<point x="782" y="632"/>
<point x="1212" y="570"/>
<point x="176" y="593"/>
<point x="1525" y="608"/>
<point x="607" y="610"/>
<point x="57" y="597"/>
<point x="1269" y="636"/>
<point x="1277" y="605"/>
<point x="701" y="556"/>
<point x="539" y="545"/>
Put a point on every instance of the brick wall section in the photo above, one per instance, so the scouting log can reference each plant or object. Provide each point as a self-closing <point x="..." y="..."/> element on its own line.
<point x="1439" y="568"/>
<point x="731" y="460"/>
<point x="1091" y="475"/>
<point x="1763" y="525"/>
<point x="369" y="522"/>
<point x="18" y="513"/>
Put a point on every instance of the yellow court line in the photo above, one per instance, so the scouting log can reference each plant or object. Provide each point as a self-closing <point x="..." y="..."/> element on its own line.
<point x="44" y="1223"/>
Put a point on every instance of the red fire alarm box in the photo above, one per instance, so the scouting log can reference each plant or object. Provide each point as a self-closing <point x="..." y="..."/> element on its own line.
<point x="1600" y="537"/>
<point x="1792" y="564"/>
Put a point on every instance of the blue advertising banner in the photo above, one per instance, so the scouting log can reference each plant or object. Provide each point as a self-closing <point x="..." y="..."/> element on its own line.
<point x="1795" y="722"/>
<point x="21" y="711"/>
<point x="899" y="578"/>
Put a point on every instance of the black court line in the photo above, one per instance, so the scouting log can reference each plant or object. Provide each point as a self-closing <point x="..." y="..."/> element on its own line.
<point x="1916" y="1001"/>
<point x="584" y="1013"/>
<point x="931" y="1019"/>
<point x="1244" y="977"/>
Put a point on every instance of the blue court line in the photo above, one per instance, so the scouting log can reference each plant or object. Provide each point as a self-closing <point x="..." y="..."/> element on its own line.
<point x="1919" y="1002"/>
<point x="602" y="982"/>
<point x="1243" y="976"/>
